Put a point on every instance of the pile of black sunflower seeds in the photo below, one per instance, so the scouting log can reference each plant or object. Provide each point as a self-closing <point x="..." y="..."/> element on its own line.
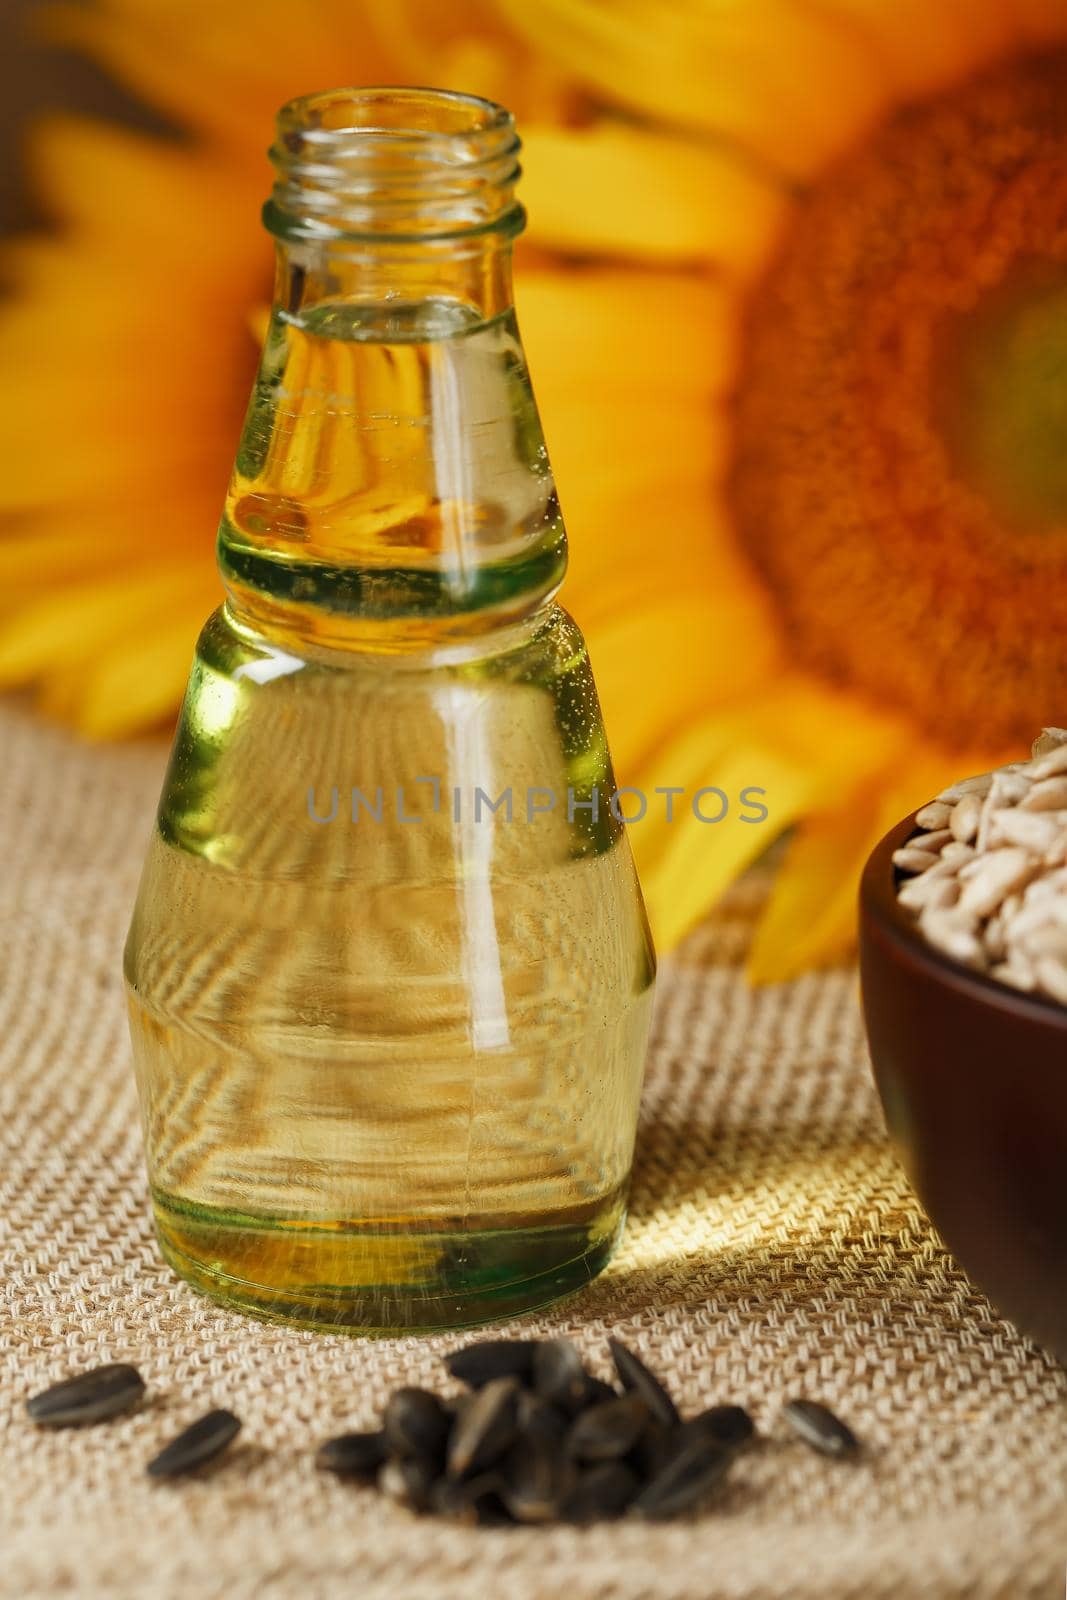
<point x="538" y="1439"/>
<point x="535" y="1438"/>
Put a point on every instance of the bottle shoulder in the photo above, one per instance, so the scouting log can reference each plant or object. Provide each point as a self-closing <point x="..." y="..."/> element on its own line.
<point x="547" y="645"/>
<point x="392" y="480"/>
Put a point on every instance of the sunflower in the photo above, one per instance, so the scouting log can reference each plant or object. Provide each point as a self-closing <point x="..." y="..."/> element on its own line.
<point x="795" y="300"/>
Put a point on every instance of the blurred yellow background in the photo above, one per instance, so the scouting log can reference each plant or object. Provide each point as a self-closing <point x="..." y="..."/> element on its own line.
<point x="794" y="295"/>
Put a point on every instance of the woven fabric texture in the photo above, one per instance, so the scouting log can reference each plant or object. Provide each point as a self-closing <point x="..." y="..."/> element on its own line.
<point x="774" y="1249"/>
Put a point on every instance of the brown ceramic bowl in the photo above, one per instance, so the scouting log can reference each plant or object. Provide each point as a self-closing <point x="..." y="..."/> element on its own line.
<point x="973" y="1078"/>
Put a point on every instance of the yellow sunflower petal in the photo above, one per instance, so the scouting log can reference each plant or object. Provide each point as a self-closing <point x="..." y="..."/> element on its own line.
<point x="112" y="181"/>
<point x="140" y="680"/>
<point x="661" y="660"/>
<point x="811" y="916"/>
<point x="801" y="743"/>
<point x="32" y="554"/>
<point x="606" y="328"/>
<point x="788" y="82"/>
<point x="615" y="409"/>
<point x="81" y="619"/>
<point x="32" y="560"/>
<point x="633" y="546"/>
<point x="618" y="190"/>
<point x="109" y="533"/>
<point x="625" y="443"/>
<point x="685" y="863"/>
<point x="466" y="47"/>
<point x="196" y="58"/>
<point x="114" y="364"/>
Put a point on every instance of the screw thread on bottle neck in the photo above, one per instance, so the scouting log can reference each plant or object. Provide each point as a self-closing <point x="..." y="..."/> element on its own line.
<point x="414" y="166"/>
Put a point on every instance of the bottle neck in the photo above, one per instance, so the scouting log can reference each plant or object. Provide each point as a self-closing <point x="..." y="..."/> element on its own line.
<point x="392" y="490"/>
<point x="472" y="276"/>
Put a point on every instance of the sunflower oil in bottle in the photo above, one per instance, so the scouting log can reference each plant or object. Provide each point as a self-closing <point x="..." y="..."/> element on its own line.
<point x="389" y="973"/>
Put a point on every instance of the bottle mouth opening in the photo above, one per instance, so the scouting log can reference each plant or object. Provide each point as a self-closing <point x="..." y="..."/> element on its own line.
<point x="404" y="163"/>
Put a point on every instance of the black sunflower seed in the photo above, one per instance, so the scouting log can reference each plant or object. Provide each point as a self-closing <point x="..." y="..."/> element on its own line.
<point x="537" y="1419"/>
<point x="353" y="1455"/>
<point x="90" y="1397"/>
<point x="602" y="1492"/>
<point x="537" y="1478"/>
<point x="558" y="1374"/>
<point x="653" y="1450"/>
<point x="636" y="1378"/>
<point x="727" y="1425"/>
<point x="198" y="1444"/>
<point x="409" y="1480"/>
<point x="478" y="1364"/>
<point x="469" y="1501"/>
<point x="608" y="1430"/>
<point x="493" y="1513"/>
<point x="416" y="1423"/>
<point x="596" y="1390"/>
<point x="689" y="1474"/>
<point x="817" y="1426"/>
<point x="484" y="1429"/>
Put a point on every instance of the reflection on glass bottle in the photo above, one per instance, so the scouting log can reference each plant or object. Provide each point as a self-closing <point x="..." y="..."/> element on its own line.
<point x="389" y="972"/>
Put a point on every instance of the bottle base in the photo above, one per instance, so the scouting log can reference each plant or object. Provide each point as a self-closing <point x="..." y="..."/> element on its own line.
<point x="340" y="1278"/>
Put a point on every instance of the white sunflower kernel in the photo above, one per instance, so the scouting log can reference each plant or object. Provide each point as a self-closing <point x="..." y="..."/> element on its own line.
<point x="987" y="871"/>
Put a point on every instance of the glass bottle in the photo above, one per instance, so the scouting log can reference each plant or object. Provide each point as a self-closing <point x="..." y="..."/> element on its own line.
<point x="389" y="972"/>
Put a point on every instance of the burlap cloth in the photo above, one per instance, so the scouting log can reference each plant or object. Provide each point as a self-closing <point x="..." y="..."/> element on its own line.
<point x="774" y="1248"/>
